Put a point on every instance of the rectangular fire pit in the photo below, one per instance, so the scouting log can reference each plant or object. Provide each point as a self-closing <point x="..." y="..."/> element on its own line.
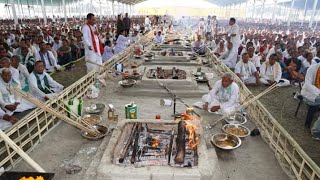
<point x="160" y="73"/>
<point x="147" y="144"/>
<point x="151" y="149"/>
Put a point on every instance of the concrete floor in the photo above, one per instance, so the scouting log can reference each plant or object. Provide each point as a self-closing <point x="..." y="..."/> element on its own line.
<point x="252" y="160"/>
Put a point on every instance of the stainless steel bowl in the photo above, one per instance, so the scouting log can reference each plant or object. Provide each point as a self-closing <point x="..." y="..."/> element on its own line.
<point x="103" y="130"/>
<point x="97" y="109"/>
<point x="127" y="83"/>
<point x="236" y="118"/>
<point x="226" y="141"/>
<point x="237" y="126"/>
<point x="96" y="119"/>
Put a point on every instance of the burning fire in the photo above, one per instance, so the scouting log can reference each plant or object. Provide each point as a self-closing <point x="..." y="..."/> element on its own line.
<point x="155" y="143"/>
<point x="193" y="139"/>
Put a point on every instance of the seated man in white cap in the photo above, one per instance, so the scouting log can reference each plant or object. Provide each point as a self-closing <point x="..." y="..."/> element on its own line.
<point x="271" y="73"/>
<point x="6" y="121"/>
<point x="9" y="101"/>
<point x="6" y="63"/>
<point x="223" y="98"/>
<point x="247" y="71"/>
<point x="41" y="84"/>
<point x="158" y="39"/>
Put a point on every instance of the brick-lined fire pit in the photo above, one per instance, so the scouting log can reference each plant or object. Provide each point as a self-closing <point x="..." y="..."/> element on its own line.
<point x="160" y="73"/>
<point x="151" y="149"/>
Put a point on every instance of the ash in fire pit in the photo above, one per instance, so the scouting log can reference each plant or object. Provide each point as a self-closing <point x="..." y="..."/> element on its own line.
<point x="160" y="73"/>
<point x="161" y="147"/>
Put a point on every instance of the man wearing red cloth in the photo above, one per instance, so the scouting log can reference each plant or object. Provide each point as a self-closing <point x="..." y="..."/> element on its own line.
<point x="92" y="44"/>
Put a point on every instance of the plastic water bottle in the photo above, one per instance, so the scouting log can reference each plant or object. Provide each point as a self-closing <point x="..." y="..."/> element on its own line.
<point x="97" y="84"/>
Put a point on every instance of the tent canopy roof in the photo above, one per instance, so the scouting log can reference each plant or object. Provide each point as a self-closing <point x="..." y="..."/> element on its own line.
<point x="59" y="2"/>
<point x="298" y="4"/>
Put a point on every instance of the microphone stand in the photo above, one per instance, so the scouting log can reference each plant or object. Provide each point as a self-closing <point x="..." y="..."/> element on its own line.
<point x="175" y="98"/>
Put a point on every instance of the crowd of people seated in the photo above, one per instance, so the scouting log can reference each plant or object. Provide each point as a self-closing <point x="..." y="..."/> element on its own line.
<point x="267" y="53"/>
<point x="261" y="53"/>
<point x="32" y="50"/>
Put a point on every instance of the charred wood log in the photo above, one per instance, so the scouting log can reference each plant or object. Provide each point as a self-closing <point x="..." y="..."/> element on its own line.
<point x="170" y="147"/>
<point x="181" y="143"/>
<point x="136" y="144"/>
<point x="125" y="150"/>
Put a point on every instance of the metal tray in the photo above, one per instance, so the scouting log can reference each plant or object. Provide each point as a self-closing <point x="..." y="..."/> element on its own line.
<point x="98" y="110"/>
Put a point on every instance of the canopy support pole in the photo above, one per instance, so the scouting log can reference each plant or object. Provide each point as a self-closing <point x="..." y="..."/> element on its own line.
<point x="64" y="10"/>
<point x="14" y="13"/>
<point x="22" y="10"/>
<point x="113" y="8"/>
<point x="274" y="11"/>
<point x="43" y="12"/>
<point x="253" y="8"/>
<point x="262" y="13"/>
<point x="313" y="13"/>
<point x="304" y="12"/>
<point x="290" y="13"/>
<point x="119" y="8"/>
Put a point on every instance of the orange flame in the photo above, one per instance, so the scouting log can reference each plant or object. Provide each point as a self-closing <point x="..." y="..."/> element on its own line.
<point x="155" y="143"/>
<point x="193" y="139"/>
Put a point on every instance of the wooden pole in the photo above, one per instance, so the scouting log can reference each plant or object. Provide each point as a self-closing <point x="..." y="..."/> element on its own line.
<point x="22" y="154"/>
<point x="89" y="129"/>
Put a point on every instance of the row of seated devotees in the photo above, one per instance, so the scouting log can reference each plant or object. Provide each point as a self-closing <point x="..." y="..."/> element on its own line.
<point x="15" y="75"/>
<point x="267" y="63"/>
<point x="29" y="53"/>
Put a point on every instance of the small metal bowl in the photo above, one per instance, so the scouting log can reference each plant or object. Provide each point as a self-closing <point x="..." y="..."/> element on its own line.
<point x="127" y="83"/>
<point x="226" y="141"/>
<point x="94" y="119"/>
<point x="137" y="56"/>
<point x="103" y="130"/>
<point x="99" y="108"/>
<point x="201" y="79"/>
<point x="148" y="55"/>
<point x="197" y="74"/>
<point x="237" y="126"/>
<point x="236" y="118"/>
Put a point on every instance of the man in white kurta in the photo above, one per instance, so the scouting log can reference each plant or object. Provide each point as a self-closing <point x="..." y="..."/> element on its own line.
<point x="234" y="33"/>
<point x="198" y="46"/>
<point x="42" y="86"/>
<point x="147" y="23"/>
<point x="158" y="39"/>
<point x="47" y="57"/>
<point x="108" y="51"/>
<point x="223" y="98"/>
<point x="311" y="89"/>
<point x="91" y="44"/>
<point x="23" y="73"/>
<point x="255" y="59"/>
<point x="271" y="73"/>
<point x="121" y="43"/>
<point x="9" y="101"/>
<point x="229" y="58"/>
<point x="247" y="71"/>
